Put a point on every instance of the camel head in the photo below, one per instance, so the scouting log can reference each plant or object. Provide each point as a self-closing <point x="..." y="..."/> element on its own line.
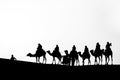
<point x="66" y="52"/>
<point x="80" y="53"/>
<point x="49" y="52"/>
<point x="92" y="52"/>
<point x="29" y="54"/>
<point x="102" y="51"/>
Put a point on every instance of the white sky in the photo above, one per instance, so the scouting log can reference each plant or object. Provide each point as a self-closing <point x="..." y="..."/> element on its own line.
<point x="25" y="23"/>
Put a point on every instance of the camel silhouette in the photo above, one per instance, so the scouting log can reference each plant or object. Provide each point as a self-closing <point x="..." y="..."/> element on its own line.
<point x="97" y="56"/>
<point x="97" y="53"/>
<point x="37" y="57"/>
<point x="55" y="54"/>
<point x="85" y="55"/>
<point x="108" y="53"/>
<point x="39" y="53"/>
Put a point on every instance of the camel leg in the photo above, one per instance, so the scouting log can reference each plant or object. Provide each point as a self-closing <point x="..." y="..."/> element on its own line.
<point x="44" y="59"/>
<point x="59" y="62"/>
<point x="95" y="61"/>
<point x="105" y="60"/>
<point x="111" y="59"/>
<point x="108" y="59"/>
<point x="77" y="62"/>
<point x="36" y="59"/>
<point x="83" y="62"/>
<point x="54" y="61"/>
<point x="69" y="62"/>
<point x="99" y="60"/>
<point x="89" y="62"/>
<point x="73" y="62"/>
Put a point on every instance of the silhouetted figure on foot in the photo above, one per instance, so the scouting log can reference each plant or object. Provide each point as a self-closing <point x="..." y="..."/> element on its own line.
<point x="85" y="55"/>
<point x="12" y="57"/>
<point x="55" y="54"/>
<point x="39" y="53"/>
<point x="74" y="55"/>
<point x="108" y="53"/>
<point x="66" y="58"/>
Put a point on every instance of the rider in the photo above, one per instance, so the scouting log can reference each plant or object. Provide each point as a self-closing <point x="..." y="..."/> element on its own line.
<point x="12" y="57"/>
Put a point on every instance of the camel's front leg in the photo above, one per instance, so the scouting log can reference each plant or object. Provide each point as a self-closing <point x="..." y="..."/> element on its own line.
<point x="36" y="60"/>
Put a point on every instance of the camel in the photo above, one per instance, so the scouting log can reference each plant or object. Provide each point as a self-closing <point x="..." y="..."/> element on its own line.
<point x="55" y="55"/>
<point x="99" y="56"/>
<point x="39" y="53"/>
<point x="37" y="57"/>
<point x="108" y="53"/>
<point x="85" y="55"/>
<point x="97" y="53"/>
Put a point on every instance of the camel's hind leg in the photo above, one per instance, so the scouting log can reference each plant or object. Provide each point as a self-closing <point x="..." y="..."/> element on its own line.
<point x="89" y="62"/>
<point x="95" y="61"/>
<point x="83" y="62"/>
<point x="77" y="62"/>
<point x="54" y="61"/>
<point x="44" y="59"/>
<point x="99" y="60"/>
<point x="37" y="60"/>
<point x="111" y="59"/>
<point x="106" y="62"/>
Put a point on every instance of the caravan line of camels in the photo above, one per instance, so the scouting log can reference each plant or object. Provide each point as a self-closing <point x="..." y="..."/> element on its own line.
<point x="72" y="58"/>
